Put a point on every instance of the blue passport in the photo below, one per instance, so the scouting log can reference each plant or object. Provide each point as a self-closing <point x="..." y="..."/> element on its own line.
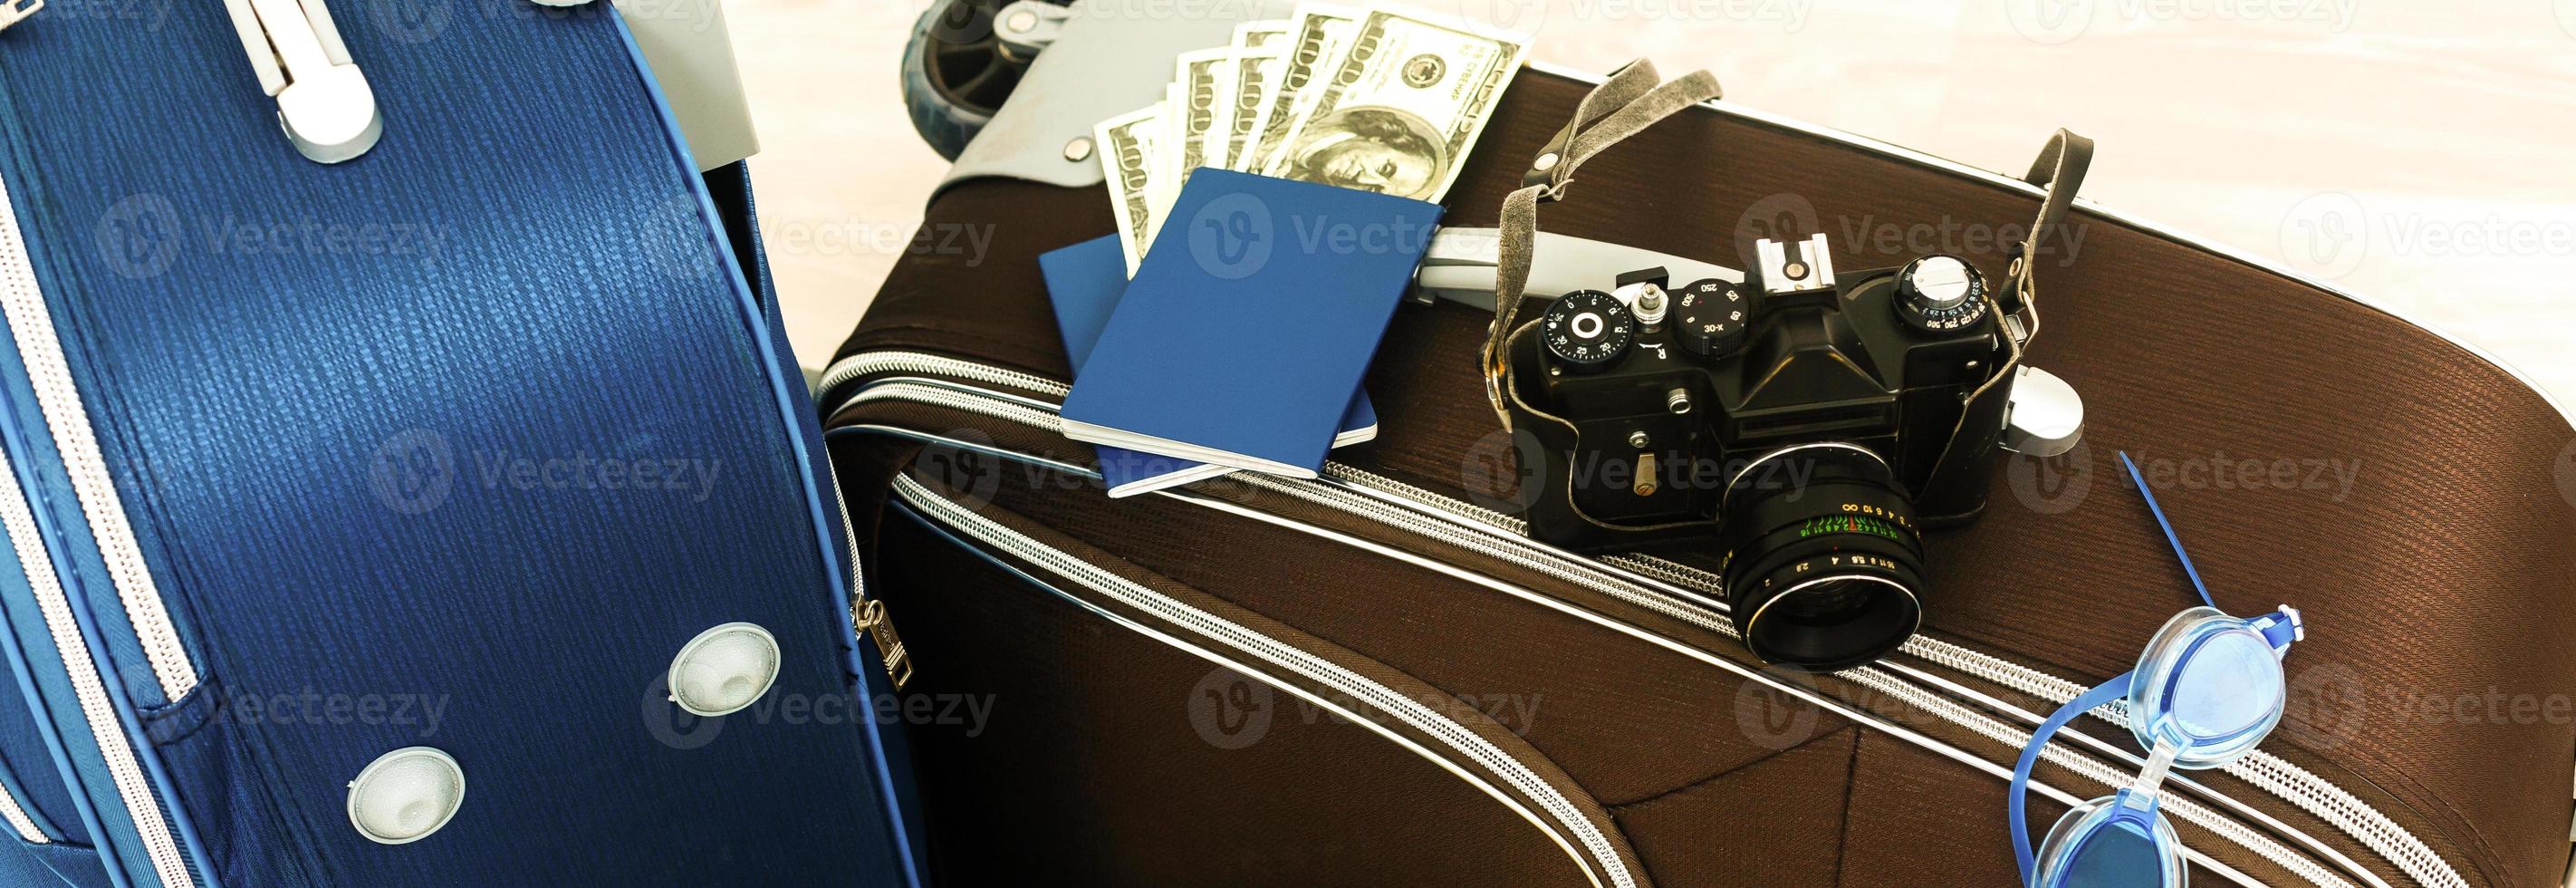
<point x="1242" y="340"/>
<point x="1085" y="281"/>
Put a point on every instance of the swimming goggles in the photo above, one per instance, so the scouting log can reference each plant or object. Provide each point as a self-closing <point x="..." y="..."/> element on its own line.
<point x="2207" y="691"/>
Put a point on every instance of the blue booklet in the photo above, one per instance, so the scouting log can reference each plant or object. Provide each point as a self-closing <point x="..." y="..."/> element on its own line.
<point x="1085" y="281"/>
<point x="1244" y="336"/>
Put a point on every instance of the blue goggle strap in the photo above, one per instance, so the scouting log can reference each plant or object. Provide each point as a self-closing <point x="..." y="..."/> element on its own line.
<point x="2018" y="795"/>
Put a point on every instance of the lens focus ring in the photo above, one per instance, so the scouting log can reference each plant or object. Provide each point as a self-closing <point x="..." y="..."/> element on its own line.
<point x="1825" y="573"/>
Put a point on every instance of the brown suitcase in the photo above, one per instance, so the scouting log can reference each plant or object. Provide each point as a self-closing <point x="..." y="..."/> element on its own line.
<point x="1372" y="679"/>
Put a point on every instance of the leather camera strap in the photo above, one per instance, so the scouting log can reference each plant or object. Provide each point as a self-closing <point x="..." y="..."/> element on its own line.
<point x="1620" y="107"/>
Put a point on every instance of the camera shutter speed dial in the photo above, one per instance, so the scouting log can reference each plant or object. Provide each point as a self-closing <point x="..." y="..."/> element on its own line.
<point x="1709" y="318"/>
<point x="1587" y="328"/>
<point x="1940" y="293"/>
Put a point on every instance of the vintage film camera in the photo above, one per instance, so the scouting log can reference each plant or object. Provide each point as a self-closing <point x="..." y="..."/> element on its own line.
<point x="1810" y="424"/>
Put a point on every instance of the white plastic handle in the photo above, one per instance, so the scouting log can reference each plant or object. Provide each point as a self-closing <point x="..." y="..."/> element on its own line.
<point x="323" y="101"/>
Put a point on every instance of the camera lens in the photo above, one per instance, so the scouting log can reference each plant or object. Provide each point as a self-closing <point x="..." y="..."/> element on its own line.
<point x="1824" y="568"/>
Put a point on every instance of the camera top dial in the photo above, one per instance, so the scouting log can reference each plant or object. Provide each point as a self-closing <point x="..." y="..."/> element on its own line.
<point x="1587" y="329"/>
<point x="1709" y="318"/>
<point x="1940" y="293"/>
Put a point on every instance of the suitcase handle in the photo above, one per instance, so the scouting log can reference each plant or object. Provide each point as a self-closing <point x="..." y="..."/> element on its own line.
<point x="323" y="101"/>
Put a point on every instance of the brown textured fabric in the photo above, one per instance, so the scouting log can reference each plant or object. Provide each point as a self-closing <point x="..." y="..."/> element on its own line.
<point x="1623" y="733"/>
<point x="1774" y="821"/>
<point x="2433" y="684"/>
<point x="1148" y="766"/>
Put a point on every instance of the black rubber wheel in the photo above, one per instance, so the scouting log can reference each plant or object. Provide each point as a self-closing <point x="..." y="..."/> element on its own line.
<point x="955" y="73"/>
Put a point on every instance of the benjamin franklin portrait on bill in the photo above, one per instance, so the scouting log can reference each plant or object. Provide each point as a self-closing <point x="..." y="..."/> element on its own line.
<point x="1371" y="149"/>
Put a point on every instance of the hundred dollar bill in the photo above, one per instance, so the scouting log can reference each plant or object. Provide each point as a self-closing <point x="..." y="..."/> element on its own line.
<point x="1257" y="49"/>
<point x="1126" y="145"/>
<point x="1253" y="69"/>
<point x="1260" y="34"/>
<point x="1314" y="38"/>
<point x="1165" y="167"/>
<point x="1200" y="78"/>
<point x="1400" y="106"/>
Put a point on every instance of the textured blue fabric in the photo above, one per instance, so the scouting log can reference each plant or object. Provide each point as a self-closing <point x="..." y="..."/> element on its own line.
<point x="362" y="417"/>
<point x="19" y="866"/>
<point x="72" y="865"/>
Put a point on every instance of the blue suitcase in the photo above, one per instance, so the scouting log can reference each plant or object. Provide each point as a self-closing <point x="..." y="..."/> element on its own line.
<point x="408" y="519"/>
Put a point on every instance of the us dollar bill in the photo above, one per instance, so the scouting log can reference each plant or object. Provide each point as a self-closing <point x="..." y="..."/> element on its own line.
<point x="1166" y="169"/>
<point x="1260" y="34"/>
<point x="1200" y="77"/>
<point x="1250" y="82"/>
<point x="1256" y="50"/>
<point x="1126" y="146"/>
<point x="1314" y="37"/>
<point x="1399" y="106"/>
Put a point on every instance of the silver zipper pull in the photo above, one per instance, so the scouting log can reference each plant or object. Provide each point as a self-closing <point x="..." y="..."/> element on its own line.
<point x="13" y="11"/>
<point x="872" y="619"/>
<point x="323" y="101"/>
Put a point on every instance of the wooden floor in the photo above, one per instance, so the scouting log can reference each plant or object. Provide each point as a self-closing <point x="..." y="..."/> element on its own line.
<point x="2417" y="153"/>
